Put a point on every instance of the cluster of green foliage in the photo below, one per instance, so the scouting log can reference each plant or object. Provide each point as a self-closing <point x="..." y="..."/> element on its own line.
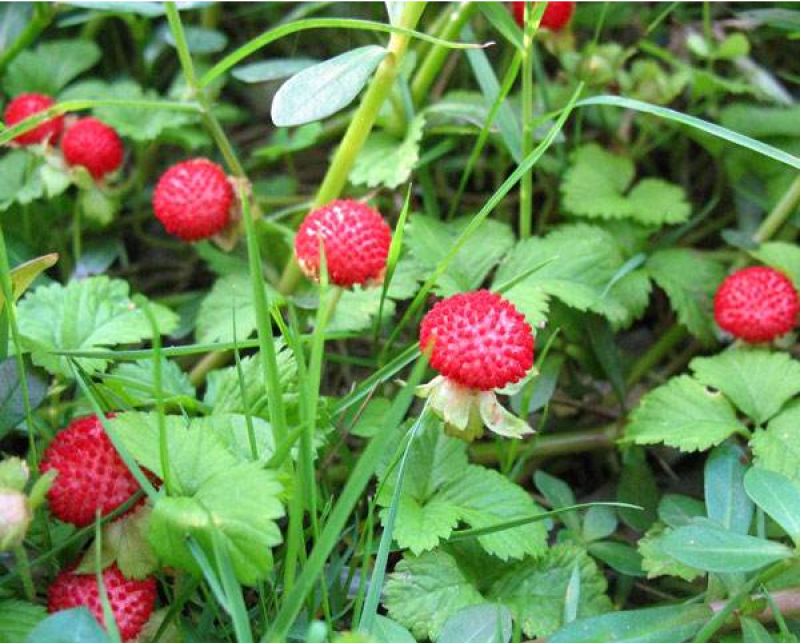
<point x="605" y="178"/>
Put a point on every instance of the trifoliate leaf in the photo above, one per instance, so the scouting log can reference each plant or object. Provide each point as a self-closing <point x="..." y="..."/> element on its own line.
<point x="783" y="256"/>
<point x="240" y="504"/>
<point x="424" y="591"/>
<point x="133" y="382"/>
<point x="536" y="589"/>
<point x="758" y="383"/>
<point x="690" y="281"/>
<point x="136" y="123"/>
<point x="595" y="183"/>
<point x="441" y="490"/>
<point x="683" y="414"/>
<point x="386" y="161"/>
<point x="574" y="264"/>
<point x="430" y="240"/>
<point x="194" y="453"/>
<point x="50" y="67"/>
<point x="778" y="447"/>
<point x="83" y="315"/>
<point x="224" y="393"/>
<point x="228" y="307"/>
<point x="656" y="562"/>
<point x="18" y="619"/>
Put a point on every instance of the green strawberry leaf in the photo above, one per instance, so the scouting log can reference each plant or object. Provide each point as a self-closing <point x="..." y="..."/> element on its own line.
<point x="240" y="503"/>
<point x="759" y="383"/>
<point x="18" y="619"/>
<point x="133" y="383"/>
<point x="690" y="281"/>
<point x="441" y="490"/>
<point x="575" y="264"/>
<point x="656" y="562"/>
<point x="50" y="67"/>
<point x="777" y="447"/>
<point x="228" y="307"/>
<point x="430" y="239"/>
<point x="782" y="256"/>
<point x="386" y="161"/>
<point x="224" y="393"/>
<point x="536" y="589"/>
<point x="683" y="414"/>
<point x="83" y="315"/>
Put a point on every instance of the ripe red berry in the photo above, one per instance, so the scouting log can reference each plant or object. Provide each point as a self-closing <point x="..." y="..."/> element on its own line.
<point x="756" y="304"/>
<point x="356" y="241"/>
<point x="91" y="475"/>
<point x="94" y="145"/>
<point x="193" y="199"/>
<point x="26" y="105"/>
<point x="131" y="600"/>
<point x="556" y="15"/>
<point x="481" y="341"/>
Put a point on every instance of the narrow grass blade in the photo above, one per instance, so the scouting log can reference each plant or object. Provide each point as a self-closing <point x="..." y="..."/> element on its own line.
<point x="697" y="123"/>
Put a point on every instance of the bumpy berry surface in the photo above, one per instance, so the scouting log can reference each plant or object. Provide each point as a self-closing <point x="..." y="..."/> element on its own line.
<point x="193" y="199"/>
<point x="91" y="474"/>
<point x="356" y="241"/>
<point x="131" y="600"/>
<point x="480" y="340"/>
<point x="94" y="145"/>
<point x="26" y="105"/>
<point x="556" y="16"/>
<point x="756" y="304"/>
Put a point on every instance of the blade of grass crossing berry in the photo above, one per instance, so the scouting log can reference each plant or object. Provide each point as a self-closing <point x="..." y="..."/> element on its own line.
<point x="697" y="123"/>
<point x="484" y="212"/>
<point x="10" y="313"/>
<point x="108" y="614"/>
<point x="127" y="458"/>
<point x="163" y="451"/>
<point x="288" y="29"/>
<point x="370" y="611"/>
<point x="395" y="247"/>
<point x="352" y="491"/>
<point x="266" y="341"/>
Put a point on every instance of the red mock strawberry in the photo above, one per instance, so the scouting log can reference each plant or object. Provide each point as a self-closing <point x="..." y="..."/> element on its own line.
<point x="131" y="600"/>
<point x="556" y="15"/>
<point x="26" y="105"/>
<point x="756" y="304"/>
<point x="193" y="199"/>
<point x="91" y="476"/>
<point x="479" y="340"/>
<point x="356" y="241"/>
<point x="94" y="145"/>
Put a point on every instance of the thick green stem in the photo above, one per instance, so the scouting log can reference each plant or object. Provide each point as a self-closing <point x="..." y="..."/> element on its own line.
<point x="526" y="183"/>
<point x="360" y="127"/>
<point x="780" y="213"/>
<point x="455" y="18"/>
<point x="554" y="444"/>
